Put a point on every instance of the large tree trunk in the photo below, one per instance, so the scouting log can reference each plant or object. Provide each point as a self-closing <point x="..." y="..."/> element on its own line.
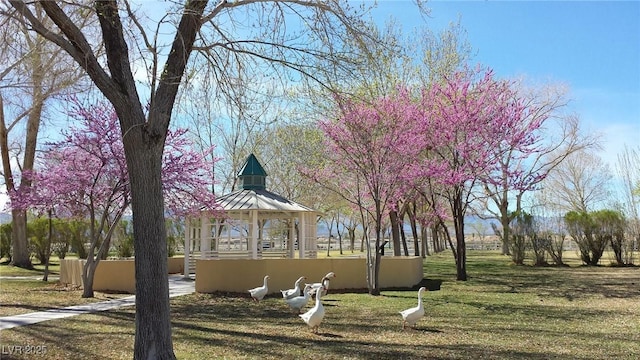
<point x="20" y="253"/>
<point x="153" y="324"/>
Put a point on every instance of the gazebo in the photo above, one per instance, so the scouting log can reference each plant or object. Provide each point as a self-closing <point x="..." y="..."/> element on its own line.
<point x="255" y="224"/>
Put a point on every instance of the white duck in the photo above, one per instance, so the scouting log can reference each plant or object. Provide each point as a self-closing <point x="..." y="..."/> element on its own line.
<point x="295" y="292"/>
<point x="411" y="316"/>
<point x="297" y="303"/>
<point x="313" y="317"/>
<point x="324" y="283"/>
<point x="258" y="293"/>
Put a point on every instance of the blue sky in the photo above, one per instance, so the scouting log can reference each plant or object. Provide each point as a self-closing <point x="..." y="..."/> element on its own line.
<point x="592" y="46"/>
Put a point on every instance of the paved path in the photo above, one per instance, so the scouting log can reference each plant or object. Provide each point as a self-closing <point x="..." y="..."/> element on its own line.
<point x="177" y="286"/>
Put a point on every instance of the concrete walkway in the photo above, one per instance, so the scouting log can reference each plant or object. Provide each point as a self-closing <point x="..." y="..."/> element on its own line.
<point x="177" y="286"/>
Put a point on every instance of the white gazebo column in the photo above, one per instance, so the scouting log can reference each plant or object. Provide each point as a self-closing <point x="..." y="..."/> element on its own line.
<point x="205" y="237"/>
<point x="228" y="229"/>
<point x="215" y="233"/>
<point x="187" y="243"/>
<point x="292" y="238"/>
<point x="302" y="239"/>
<point x="312" y="234"/>
<point x="253" y="233"/>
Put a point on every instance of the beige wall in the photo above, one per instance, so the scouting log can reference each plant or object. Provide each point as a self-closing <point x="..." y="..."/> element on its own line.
<point x="115" y="275"/>
<point x="111" y="275"/>
<point x="71" y="271"/>
<point x="176" y="265"/>
<point x="239" y="275"/>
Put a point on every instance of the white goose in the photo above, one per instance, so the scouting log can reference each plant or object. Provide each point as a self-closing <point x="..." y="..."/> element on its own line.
<point x="258" y="293"/>
<point x="313" y="317"/>
<point x="411" y="316"/>
<point x="324" y="283"/>
<point x="297" y="303"/>
<point x="295" y="292"/>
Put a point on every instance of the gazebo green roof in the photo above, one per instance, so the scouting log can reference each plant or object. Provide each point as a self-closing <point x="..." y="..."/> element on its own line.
<point x="252" y="175"/>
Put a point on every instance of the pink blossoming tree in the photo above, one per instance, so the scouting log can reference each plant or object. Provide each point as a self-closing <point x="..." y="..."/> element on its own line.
<point x="85" y="175"/>
<point x="450" y="137"/>
<point x="475" y="121"/>
<point x="371" y="150"/>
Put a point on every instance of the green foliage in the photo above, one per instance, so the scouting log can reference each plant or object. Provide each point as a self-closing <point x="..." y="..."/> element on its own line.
<point x="61" y="240"/>
<point x="175" y="232"/>
<point x="37" y="233"/>
<point x="123" y="239"/>
<point x="78" y="232"/>
<point x="521" y="230"/>
<point x="582" y="229"/>
<point x="554" y="246"/>
<point x="610" y="229"/>
<point x="5" y="241"/>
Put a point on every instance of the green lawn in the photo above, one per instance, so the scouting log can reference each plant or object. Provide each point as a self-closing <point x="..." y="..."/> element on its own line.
<point x="38" y="269"/>
<point x="502" y="312"/>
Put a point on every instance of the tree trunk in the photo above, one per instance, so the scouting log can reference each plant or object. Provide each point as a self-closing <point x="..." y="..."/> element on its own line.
<point x="352" y="239"/>
<point x="425" y="246"/>
<point x="403" y="235"/>
<point x="435" y="238"/>
<point x="48" y="248"/>
<point x="339" y="235"/>
<point x="405" y="247"/>
<point x="461" y="258"/>
<point x="414" y="232"/>
<point x="88" y="272"/>
<point x="395" y="232"/>
<point x="461" y="247"/>
<point x="505" y="221"/>
<point x="376" y="271"/>
<point x="153" y="323"/>
<point x="20" y="256"/>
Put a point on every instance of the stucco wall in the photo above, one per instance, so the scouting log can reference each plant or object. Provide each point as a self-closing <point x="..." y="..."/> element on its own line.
<point x="111" y="275"/>
<point x="239" y="275"/>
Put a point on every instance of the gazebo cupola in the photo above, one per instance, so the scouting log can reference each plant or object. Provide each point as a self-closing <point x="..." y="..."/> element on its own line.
<point x="252" y="175"/>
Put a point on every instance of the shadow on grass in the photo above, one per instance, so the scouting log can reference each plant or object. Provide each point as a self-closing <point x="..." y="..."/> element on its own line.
<point x="333" y="345"/>
<point x="570" y="283"/>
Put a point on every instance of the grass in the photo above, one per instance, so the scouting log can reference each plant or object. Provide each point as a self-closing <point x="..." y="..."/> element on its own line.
<point x="23" y="291"/>
<point x="502" y="312"/>
<point x="21" y="296"/>
<point x="38" y="269"/>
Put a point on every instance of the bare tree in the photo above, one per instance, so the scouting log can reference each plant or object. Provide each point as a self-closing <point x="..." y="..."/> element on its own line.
<point x="628" y="169"/>
<point x="503" y="199"/>
<point x="236" y="123"/>
<point x="34" y="73"/>
<point x="579" y="183"/>
<point x="214" y="30"/>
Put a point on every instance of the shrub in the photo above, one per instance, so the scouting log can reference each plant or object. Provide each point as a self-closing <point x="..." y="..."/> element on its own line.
<point x="5" y="241"/>
<point x="582" y="229"/>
